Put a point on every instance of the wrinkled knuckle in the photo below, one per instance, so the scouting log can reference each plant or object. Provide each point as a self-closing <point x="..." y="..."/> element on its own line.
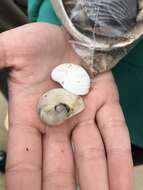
<point x="117" y="139"/>
<point x="57" y="137"/>
<point x="88" y="121"/>
<point x="119" y="151"/>
<point x="114" y="123"/>
<point x="59" y="179"/>
<point x="22" y="167"/>
<point x="91" y="153"/>
<point x="82" y="126"/>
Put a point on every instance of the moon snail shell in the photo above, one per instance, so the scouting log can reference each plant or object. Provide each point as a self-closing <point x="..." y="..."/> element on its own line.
<point x="58" y="105"/>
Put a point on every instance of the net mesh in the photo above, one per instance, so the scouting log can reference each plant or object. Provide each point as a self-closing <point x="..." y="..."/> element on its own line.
<point x="111" y="18"/>
<point x="102" y="18"/>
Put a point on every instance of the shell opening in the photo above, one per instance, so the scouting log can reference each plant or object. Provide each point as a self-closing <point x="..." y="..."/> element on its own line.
<point x="61" y="107"/>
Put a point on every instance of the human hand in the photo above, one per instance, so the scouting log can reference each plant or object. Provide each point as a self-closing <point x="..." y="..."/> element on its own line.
<point x="41" y="157"/>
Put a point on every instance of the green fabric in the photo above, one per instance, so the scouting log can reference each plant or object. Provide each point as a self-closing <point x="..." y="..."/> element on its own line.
<point x="128" y="74"/>
<point x="42" y="11"/>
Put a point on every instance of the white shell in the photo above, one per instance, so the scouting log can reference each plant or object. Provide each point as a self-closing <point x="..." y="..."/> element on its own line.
<point x="48" y="103"/>
<point x="72" y="77"/>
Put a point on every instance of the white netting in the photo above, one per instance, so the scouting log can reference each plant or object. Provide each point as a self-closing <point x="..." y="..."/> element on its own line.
<point x="110" y="18"/>
<point x="103" y="19"/>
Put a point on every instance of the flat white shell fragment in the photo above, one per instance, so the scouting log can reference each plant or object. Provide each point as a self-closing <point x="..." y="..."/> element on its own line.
<point x="72" y="77"/>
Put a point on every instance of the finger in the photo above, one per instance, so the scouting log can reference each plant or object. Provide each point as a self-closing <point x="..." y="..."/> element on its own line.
<point x="2" y="56"/>
<point x="24" y="159"/>
<point x="115" y="135"/>
<point x="58" y="167"/>
<point x="90" y="157"/>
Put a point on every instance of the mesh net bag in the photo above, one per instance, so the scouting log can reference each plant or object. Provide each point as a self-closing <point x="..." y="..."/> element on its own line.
<point x="102" y="30"/>
<point x="111" y="18"/>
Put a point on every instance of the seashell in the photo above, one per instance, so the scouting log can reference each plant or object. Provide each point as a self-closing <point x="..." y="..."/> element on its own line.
<point x="58" y="105"/>
<point x="99" y="40"/>
<point x="72" y="77"/>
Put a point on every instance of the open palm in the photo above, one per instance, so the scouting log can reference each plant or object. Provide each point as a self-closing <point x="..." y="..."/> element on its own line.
<point x="94" y="144"/>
